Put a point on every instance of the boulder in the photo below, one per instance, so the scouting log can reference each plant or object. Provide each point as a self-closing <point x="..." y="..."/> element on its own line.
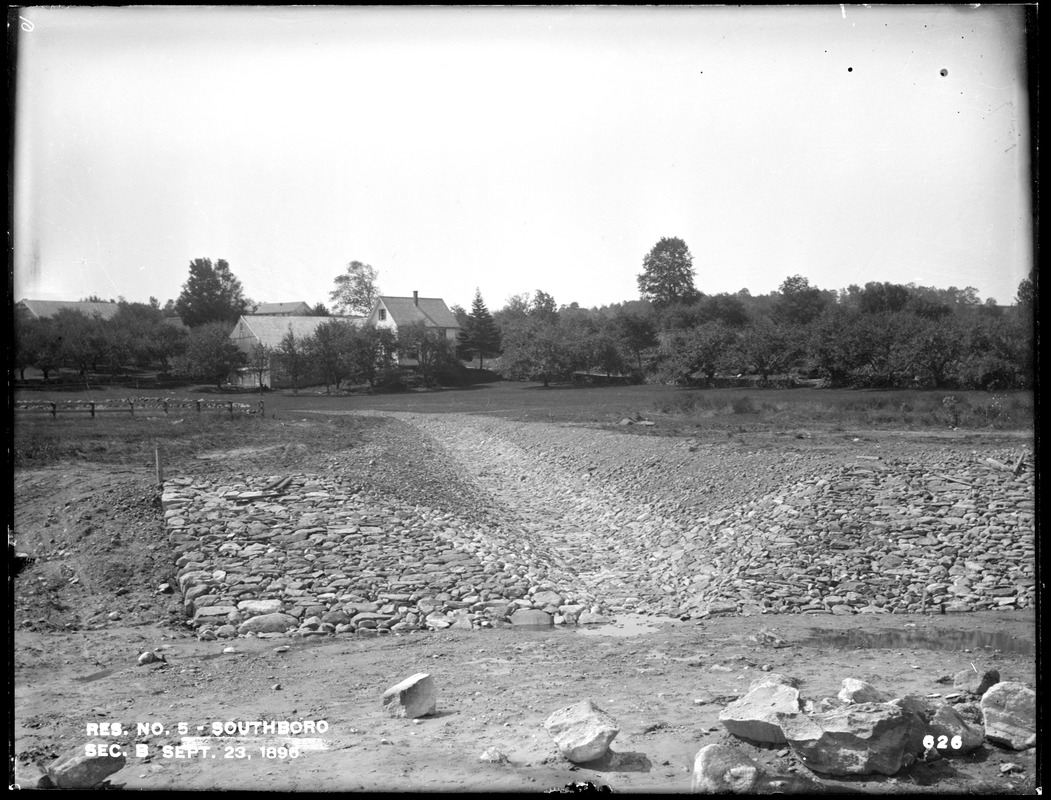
<point x="582" y="731"/>
<point x="547" y="598"/>
<point x="946" y="725"/>
<point x="723" y="769"/>
<point x="532" y="617"/>
<point x="76" y="770"/>
<point x="858" y="691"/>
<point x="968" y="680"/>
<point x="1009" y="711"/>
<point x="268" y="623"/>
<point x="412" y="698"/>
<point x="755" y="716"/>
<point x="919" y="712"/>
<point x="859" y="739"/>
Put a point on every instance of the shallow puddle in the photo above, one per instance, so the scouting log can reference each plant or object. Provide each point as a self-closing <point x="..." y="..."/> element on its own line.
<point x="926" y="640"/>
<point x="626" y="625"/>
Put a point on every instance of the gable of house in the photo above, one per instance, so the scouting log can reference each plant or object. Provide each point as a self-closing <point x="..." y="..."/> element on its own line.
<point x="398" y="311"/>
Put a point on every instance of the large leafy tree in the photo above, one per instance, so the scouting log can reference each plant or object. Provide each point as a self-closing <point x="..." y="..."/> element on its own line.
<point x="36" y="344"/>
<point x="370" y="352"/>
<point x="767" y="347"/>
<point x="703" y="350"/>
<point x="259" y="361"/>
<point x="535" y="349"/>
<point x="431" y="349"/>
<point x="356" y="289"/>
<point x="480" y="335"/>
<point x="211" y="294"/>
<point x="637" y="332"/>
<point x="799" y="302"/>
<point x="210" y="354"/>
<point x="667" y="274"/>
<point x="1026" y="294"/>
<point x="292" y="357"/>
<point x="327" y="350"/>
<point x="80" y="339"/>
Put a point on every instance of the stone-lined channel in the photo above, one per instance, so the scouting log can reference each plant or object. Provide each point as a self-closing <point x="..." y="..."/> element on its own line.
<point x="587" y="523"/>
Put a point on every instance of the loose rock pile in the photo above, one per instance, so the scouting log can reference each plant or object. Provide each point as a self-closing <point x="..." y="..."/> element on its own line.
<point x="581" y="527"/>
<point x="861" y="732"/>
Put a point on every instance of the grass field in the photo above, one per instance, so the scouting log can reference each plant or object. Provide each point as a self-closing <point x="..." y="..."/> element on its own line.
<point x="38" y="438"/>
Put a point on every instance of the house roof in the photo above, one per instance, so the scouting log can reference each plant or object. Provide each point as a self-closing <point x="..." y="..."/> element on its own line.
<point x="41" y="309"/>
<point x="297" y="309"/>
<point x="270" y="330"/>
<point x="429" y="310"/>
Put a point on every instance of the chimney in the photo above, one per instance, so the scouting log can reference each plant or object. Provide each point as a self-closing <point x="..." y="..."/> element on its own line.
<point x="416" y="298"/>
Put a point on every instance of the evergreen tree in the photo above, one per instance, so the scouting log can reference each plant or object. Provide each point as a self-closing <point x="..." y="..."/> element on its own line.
<point x="481" y="336"/>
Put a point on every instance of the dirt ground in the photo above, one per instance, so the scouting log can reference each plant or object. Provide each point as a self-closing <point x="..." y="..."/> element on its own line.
<point x="88" y="606"/>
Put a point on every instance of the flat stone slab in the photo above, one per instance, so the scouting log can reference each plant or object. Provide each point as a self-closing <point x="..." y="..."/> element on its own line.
<point x="413" y="697"/>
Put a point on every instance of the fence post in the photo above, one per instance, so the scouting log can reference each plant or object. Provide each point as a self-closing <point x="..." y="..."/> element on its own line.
<point x="198" y="406"/>
<point x="54" y="410"/>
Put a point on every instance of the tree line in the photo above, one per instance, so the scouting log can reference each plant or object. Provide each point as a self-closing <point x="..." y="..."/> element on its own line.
<point x="880" y="335"/>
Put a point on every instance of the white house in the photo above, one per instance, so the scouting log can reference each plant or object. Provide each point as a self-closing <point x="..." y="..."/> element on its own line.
<point x="394" y="312"/>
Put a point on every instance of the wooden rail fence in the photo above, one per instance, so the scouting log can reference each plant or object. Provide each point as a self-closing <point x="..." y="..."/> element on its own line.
<point x="144" y="405"/>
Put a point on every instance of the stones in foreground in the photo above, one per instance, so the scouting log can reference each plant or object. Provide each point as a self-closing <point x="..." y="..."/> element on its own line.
<point x="582" y="731"/>
<point x="1009" y="710"/>
<point x="76" y="770"/>
<point x="723" y="769"/>
<point x="857" y="691"/>
<point x="755" y="716"/>
<point x="970" y="680"/>
<point x="856" y="739"/>
<point x="412" y="698"/>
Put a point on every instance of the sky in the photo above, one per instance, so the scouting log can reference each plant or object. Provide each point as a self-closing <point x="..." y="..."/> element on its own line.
<point x="509" y="150"/>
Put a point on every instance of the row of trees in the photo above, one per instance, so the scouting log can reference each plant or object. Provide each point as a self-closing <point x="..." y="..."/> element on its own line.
<point x="340" y="353"/>
<point x="135" y="336"/>
<point x="878" y="335"/>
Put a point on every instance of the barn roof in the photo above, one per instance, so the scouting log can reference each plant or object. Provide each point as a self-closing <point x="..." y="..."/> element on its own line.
<point x="41" y="309"/>
<point x="295" y="309"/>
<point x="270" y="330"/>
<point x="429" y="310"/>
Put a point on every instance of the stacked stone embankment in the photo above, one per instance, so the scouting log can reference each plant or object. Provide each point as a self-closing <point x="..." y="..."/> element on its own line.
<point x="580" y="526"/>
<point x="337" y="562"/>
